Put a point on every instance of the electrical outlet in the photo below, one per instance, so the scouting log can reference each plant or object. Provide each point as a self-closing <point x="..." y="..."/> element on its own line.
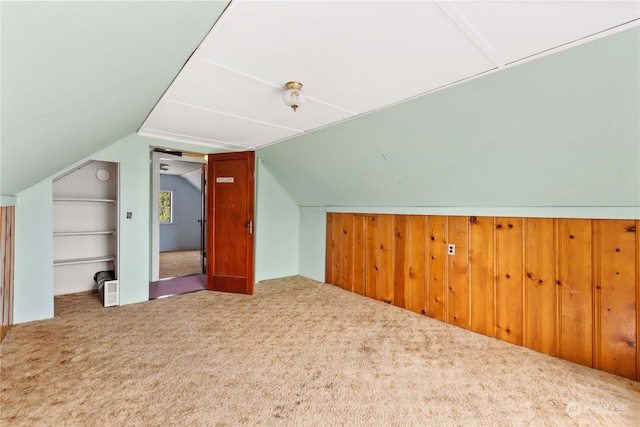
<point x="451" y="249"/>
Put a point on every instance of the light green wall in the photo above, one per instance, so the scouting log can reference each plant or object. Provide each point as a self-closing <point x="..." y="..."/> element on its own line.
<point x="559" y="136"/>
<point x="555" y="137"/>
<point x="276" y="229"/>
<point x="8" y="200"/>
<point x="313" y="226"/>
<point x="33" y="269"/>
<point x="33" y="279"/>
<point x="79" y="75"/>
<point x="132" y="153"/>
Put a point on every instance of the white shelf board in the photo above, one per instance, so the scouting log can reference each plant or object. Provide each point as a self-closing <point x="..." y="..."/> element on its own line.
<point x="83" y="233"/>
<point x="84" y="260"/>
<point x="79" y="199"/>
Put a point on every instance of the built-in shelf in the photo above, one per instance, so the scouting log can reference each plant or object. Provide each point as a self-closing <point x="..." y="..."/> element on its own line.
<point x="83" y="260"/>
<point x="83" y="233"/>
<point x="81" y="199"/>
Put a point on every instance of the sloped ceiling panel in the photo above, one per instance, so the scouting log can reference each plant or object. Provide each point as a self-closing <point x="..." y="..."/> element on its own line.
<point x="355" y="57"/>
<point x="560" y="131"/>
<point x="77" y="76"/>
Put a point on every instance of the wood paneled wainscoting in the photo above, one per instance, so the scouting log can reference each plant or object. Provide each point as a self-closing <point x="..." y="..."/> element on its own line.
<point x="564" y="287"/>
<point x="7" y="223"/>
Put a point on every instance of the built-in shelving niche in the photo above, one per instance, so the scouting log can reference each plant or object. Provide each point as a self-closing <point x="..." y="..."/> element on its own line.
<point x="85" y="226"/>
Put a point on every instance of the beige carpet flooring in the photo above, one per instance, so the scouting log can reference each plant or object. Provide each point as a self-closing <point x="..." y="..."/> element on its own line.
<point x="297" y="353"/>
<point x="180" y="263"/>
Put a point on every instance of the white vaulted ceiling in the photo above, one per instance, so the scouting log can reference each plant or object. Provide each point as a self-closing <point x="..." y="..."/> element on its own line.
<point x="354" y="58"/>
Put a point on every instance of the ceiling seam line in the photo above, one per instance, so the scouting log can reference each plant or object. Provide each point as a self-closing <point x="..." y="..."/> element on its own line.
<point x="472" y="34"/>
<point x="186" y="104"/>
<point x="573" y="43"/>
<point x="186" y="138"/>
<point x="231" y="70"/>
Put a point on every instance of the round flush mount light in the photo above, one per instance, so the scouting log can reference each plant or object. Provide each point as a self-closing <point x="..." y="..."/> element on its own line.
<point x="103" y="175"/>
<point x="293" y="96"/>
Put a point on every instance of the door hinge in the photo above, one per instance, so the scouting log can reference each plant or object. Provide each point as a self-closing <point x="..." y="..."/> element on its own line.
<point x="249" y="226"/>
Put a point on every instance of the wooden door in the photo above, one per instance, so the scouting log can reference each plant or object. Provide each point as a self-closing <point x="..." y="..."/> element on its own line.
<point x="230" y="222"/>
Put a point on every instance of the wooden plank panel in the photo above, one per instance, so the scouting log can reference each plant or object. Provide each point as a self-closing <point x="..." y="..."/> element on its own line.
<point x="358" y="254"/>
<point x="385" y="258"/>
<point x="337" y="249"/>
<point x="4" y="239"/>
<point x="436" y="263"/>
<point x="347" y="252"/>
<point x="575" y="283"/>
<point x="417" y="300"/>
<point x="340" y="236"/>
<point x="509" y="280"/>
<point x="617" y="289"/>
<point x="7" y="223"/>
<point x="401" y="261"/>
<point x="540" y="287"/>
<point x="371" y="257"/>
<point x="637" y="296"/>
<point x="457" y="312"/>
<point x="328" y="265"/>
<point x="481" y="260"/>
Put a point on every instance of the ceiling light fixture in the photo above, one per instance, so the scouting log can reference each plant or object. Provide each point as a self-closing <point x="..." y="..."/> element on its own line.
<point x="294" y="97"/>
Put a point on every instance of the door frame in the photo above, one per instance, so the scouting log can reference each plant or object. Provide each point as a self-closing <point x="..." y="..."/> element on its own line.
<point x="154" y="209"/>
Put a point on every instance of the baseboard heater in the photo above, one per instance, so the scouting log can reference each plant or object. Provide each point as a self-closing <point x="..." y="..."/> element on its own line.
<point x="108" y="288"/>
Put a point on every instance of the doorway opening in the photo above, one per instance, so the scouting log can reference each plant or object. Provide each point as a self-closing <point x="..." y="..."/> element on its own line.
<point x="178" y="213"/>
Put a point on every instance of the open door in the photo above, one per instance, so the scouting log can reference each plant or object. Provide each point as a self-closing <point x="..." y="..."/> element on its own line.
<point x="230" y="222"/>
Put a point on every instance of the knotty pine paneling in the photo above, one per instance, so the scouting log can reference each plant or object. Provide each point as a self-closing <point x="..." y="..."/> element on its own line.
<point x="386" y="258"/>
<point x="540" y="287"/>
<point x="346" y="250"/>
<point x="481" y="272"/>
<point x="371" y="257"/>
<point x="401" y="261"/>
<point x="417" y="268"/>
<point x="359" y="238"/>
<point x="436" y="267"/>
<point x="616" y="287"/>
<point x="7" y="224"/>
<point x="576" y="296"/>
<point x="637" y="233"/>
<point x="457" y="287"/>
<point x="563" y="287"/>
<point x="509" y="280"/>
<point x="331" y="267"/>
<point x="329" y="249"/>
